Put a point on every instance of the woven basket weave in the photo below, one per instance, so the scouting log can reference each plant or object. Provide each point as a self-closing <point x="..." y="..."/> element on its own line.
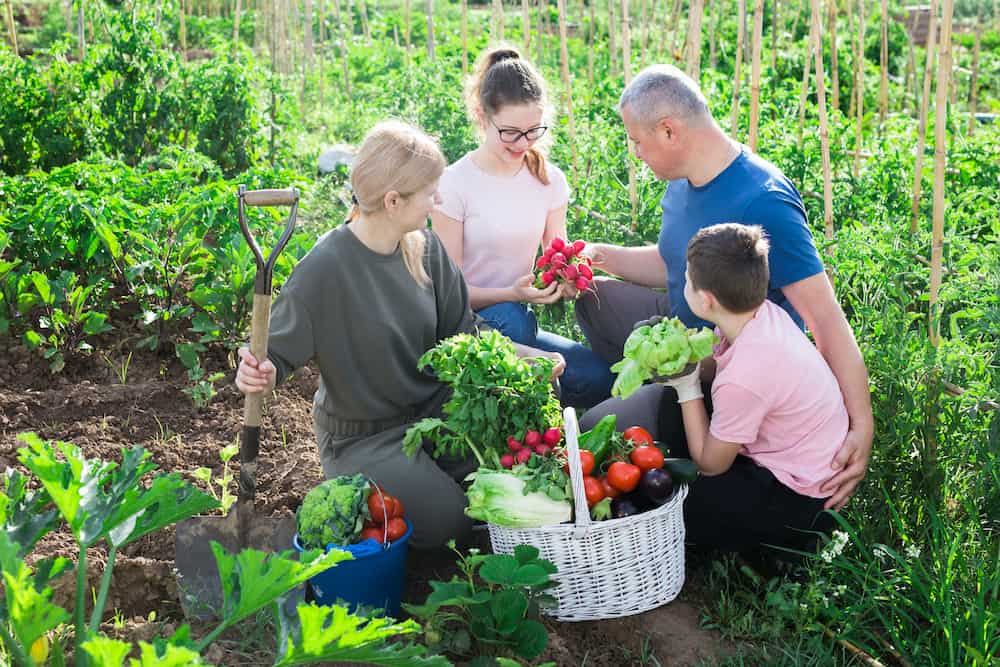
<point x="606" y="569"/>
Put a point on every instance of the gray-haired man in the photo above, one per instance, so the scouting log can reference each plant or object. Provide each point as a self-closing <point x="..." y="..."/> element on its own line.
<point x="713" y="179"/>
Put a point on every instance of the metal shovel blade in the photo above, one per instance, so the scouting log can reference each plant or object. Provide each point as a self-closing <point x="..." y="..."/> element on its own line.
<point x="198" y="583"/>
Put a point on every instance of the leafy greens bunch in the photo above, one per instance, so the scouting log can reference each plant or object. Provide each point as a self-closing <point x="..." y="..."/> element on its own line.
<point x="659" y="347"/>
<point x="495" y="394"/>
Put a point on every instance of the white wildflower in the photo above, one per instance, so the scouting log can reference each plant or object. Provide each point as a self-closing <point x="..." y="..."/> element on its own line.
<point x="912" y="551"/>
<point x="834" y="547"/>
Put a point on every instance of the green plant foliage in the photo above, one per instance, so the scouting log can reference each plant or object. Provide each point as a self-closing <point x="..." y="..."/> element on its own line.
<point x="492" y="609"/>
<point x="495" y="394"/>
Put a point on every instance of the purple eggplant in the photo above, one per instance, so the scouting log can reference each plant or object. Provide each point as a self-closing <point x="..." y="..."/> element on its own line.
<point x="656" y="485"/>
<point x="622" y="507"/>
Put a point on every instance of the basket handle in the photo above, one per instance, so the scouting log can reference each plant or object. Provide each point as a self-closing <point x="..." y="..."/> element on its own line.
<point x="572" y="429"/>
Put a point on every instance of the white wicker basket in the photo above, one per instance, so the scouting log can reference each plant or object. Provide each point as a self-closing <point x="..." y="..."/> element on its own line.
<point x="606" y="569"/>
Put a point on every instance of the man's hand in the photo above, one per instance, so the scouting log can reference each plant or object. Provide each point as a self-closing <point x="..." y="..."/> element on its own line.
<point x="851" y="462"/>
<point x="253" y="377"/>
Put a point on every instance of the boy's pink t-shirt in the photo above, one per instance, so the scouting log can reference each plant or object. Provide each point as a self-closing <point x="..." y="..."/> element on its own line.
<point x="503" y="218"/>
<point x="775" y="394"/>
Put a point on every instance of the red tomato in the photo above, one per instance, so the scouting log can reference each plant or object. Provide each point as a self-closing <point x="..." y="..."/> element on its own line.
<point x="609" y="491"/>
<point x="376" y="534"/>
<point x="637" y="435"/>
<point x="396" y="528"/>
<point x="647" y="457"/>
<point x="376" y="502"/>
<point x="592" y="488"/>
<point x="397" y="510"/>
<point x="624" y="476"/>
<point x="586" y="462"/>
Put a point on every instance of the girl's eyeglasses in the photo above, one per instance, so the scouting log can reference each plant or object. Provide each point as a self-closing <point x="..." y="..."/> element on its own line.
<point x="511" y="136"/>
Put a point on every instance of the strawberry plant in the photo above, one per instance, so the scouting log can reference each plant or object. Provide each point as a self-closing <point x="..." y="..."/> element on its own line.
<point x="495" y="394"/>
<point x="492" y="610"/>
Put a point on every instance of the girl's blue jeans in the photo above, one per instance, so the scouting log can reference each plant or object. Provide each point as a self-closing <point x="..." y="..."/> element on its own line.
<point x="587" y="379"/>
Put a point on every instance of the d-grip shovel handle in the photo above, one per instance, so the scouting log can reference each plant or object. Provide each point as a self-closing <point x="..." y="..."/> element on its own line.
<point x="260" y="320"/>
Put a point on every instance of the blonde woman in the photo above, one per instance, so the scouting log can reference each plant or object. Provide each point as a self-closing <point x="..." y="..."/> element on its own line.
<point x="365" y="303"/>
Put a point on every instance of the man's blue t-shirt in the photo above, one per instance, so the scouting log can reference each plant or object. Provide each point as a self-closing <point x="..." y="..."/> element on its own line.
<point x="750" y="191"/>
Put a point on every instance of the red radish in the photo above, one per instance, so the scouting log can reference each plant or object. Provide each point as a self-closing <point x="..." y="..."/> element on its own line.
<point x="549" y="252"/>
<point x="507" y="461"/>
<point x="585" y="271"/>
<point x="578" y="246"/>
<point x="588" y="260"/>
<point x="523" y="455"/>
<point x="552" y="436"/>
<point x="558" y="260"/>
<point x="570" y="272"/>
<point x="543" y="450"/>
<point x="582" y="283"/>
<point x="542" y="262"/>
<point x="532" y="439"/>
<point x="513" y="444"/>
<point x="558" y="243"/>
<point x="548" y="277"/>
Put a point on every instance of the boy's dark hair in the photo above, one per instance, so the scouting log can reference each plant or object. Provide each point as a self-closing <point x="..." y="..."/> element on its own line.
<point x="730" y="261"/>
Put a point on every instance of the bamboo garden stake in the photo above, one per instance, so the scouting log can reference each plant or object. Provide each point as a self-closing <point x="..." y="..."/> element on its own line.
<point x="406" y="27"/>
<point x="695" y="11"/>
<point x="824" y="135"/>
<point x="834" y="66"/>
<point x="883" y="89"/>
<point x="909" y="84"/>
<point x="320" y="46"/>
<point x="806" y="73"/>
<point x="498" y="20"/>
<point x="590" y="51"/>
<point x="713" y="29"/>
<point x="567" y="83"/>
<point x="737" y="75"/>
<point x="974" y="82"/>
<point x="430" y="30"/>
<point x="918" y="158"/>
<point x="774" y="35"/>
<point x="236" y="27"/>
<point x="612" y="49"/>
<point x="758" y="28"/>
<point x="12" y="28"/>
<point x="859" y="86"/>
<point x="181" y="9"/>
<point x="633" y="195"/>
<point x="643" y="30"/>
<point x="940" y="129"/>
<point x="525" y="27"/>
<point x="465" y="37"/>
<point x="540" y="38"/>
<point x="365" y="27"/>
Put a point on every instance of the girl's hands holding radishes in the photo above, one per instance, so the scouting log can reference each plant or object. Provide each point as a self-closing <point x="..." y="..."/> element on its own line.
<point x="526" y="292"/>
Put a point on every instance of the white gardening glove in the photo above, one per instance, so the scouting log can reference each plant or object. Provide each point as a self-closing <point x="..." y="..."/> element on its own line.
<point x="688" y="386"/>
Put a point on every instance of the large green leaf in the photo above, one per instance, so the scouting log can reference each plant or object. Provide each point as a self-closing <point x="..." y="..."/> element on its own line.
<point x="332" y="634"/>
<point x="30" y="610"/>
<point x="25" y="514"/>
<point x="168" y="500"/>
<point x="252" y="579"/>
<point x="106" y="652"/>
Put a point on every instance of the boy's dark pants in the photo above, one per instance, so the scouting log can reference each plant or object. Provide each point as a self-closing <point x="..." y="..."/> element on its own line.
<point x="744" y="507"/>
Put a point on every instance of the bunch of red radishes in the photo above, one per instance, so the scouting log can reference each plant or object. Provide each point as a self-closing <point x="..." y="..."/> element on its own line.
<point x="533" y="444"/>
<point x="562" y="261"/>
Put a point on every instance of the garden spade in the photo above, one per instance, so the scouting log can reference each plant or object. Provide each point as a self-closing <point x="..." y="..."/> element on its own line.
<point x="197" y="574"/>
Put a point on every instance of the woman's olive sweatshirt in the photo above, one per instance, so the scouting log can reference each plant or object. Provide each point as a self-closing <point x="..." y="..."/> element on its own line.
<point x="365" y="321"/>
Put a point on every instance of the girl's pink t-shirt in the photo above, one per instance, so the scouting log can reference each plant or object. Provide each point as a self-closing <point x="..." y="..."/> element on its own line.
<point x="775" y="394"/>
<point x="503" y="218"/>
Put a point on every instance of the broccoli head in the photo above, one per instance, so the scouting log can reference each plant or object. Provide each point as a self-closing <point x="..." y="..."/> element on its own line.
<point x="334" y="512"/>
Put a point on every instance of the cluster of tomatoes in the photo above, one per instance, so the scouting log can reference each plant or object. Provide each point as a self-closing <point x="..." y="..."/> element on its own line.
<point x="387" y="523"/>
<point x="562" y="261"/>
<point x="535" y="443"/>
<point x="633" y="479"/>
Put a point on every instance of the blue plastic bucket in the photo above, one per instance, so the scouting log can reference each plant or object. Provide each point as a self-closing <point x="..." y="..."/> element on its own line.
<point x="373" y="580"/>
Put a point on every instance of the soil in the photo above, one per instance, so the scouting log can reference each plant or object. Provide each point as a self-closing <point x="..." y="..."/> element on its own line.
<point x="87" y="404"/>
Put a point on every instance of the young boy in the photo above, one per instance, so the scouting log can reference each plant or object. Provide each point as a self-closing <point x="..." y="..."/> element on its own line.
<point x="779" y="417"/>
